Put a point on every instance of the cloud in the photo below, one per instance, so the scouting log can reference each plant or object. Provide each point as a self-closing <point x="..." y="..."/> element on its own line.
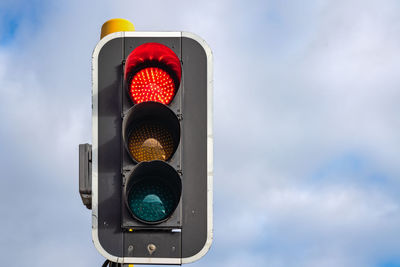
<point x="306" y="127"/>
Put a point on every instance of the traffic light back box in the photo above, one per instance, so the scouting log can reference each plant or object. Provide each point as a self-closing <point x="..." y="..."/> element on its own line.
<point x="127" y="235"/>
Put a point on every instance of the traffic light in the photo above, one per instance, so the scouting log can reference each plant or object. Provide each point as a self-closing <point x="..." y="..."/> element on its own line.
<point x="151" y="154"/>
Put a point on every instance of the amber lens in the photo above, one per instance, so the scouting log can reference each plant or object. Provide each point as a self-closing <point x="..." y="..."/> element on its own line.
<point x="151" y="141"/>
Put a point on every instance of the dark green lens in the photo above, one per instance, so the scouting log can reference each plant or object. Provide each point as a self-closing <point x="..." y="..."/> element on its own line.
<point x="151" y="200"/>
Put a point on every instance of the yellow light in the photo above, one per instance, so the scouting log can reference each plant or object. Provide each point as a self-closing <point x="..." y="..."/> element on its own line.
<point x="151" y="141"/>
<point x="116" y="25"/>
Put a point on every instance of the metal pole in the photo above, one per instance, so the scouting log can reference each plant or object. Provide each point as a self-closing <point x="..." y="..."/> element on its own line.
<point x="108" y="263"/>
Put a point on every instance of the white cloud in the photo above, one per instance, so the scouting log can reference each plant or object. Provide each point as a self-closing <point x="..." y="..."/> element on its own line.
<point x="296" y="86"/>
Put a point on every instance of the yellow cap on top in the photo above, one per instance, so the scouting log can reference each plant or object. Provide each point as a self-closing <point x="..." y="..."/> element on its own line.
<point x="116" y="25"/>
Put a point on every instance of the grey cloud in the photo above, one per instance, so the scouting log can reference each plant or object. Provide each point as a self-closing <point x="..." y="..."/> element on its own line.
<point x="291" y="93"/>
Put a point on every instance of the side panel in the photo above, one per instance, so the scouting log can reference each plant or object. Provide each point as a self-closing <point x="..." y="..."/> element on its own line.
<point x="110" y="80"/>
<point x="194" y="137"/>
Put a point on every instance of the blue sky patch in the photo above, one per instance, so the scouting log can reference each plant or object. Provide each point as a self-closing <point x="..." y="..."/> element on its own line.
<point x="21" y="14"/>
<point x="351" y="164"/>
<point x="390" y="264"/>
<point x="9" y="28"/>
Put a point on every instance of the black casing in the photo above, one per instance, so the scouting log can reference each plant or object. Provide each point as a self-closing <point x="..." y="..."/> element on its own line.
<point x="186" y="232"/>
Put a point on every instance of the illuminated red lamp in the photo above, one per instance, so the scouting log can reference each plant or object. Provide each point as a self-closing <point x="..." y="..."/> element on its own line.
<point x="153" y="73"/>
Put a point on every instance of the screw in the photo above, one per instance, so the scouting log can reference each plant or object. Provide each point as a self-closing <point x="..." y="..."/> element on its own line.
<point x="151" y="248"/>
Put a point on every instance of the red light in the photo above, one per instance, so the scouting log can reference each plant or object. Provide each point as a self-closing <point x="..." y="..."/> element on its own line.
<point x="153" y="72"/>
<point x="152" y="84"/>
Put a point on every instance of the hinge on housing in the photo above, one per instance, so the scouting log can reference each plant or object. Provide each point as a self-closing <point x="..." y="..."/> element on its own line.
<point x="125" y="173"/>
<point x="85" y="174"/>
<point x="180" y="116"/>
<point x="123" y="114"/>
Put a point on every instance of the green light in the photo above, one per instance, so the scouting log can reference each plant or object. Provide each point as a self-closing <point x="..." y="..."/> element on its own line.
<point x="151" y="200"/>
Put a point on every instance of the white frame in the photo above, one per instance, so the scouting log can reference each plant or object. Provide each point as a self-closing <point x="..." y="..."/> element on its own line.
<point x="210" y="141"/>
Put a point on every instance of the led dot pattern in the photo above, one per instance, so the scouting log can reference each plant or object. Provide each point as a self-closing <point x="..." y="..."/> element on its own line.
<point x="152" y="84"/>
<point x="151" y="141"/>
<point x="151" y="201"/>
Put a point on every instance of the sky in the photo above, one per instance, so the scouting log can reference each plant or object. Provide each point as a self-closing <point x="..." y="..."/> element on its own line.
<point x="306" y="128"/>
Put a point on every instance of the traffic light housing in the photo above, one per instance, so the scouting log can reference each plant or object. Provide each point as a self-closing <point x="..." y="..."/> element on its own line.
<point x="152" y="147"/>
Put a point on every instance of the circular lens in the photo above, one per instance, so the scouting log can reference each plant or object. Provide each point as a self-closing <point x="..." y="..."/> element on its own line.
<point x="150" y="131"/>
<point x="153" y="73"/>
<point x="152" y="84"/>
<point x="151" y="200"/>
<point x="151" y="141"/>
<point x="152" y="191"/>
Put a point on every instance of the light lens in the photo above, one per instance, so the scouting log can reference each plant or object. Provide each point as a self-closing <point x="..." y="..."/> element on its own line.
<point x="151" y="200"/>
<point x="152" y="84"/>
<point x="153" y="73"/>
<point x="151" y="141"/>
